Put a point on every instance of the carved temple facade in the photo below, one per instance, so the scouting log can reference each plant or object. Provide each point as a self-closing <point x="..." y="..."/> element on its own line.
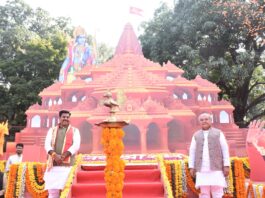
<point x="160" y="104"/>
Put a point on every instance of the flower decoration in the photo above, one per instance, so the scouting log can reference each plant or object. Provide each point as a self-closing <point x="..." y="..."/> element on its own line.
<point x="114" y="170"/>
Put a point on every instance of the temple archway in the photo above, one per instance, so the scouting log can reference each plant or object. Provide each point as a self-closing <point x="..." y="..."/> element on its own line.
<point x="86" y="137"/>
<point x="176" y="135"/>
<point x="224" y="117"/>
<point x="153" y="137"/>
<point x="36" y="121"/>
<point x="132" y="139"/>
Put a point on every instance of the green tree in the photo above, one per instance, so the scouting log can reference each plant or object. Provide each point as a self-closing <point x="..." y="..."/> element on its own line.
<point x="100" y="51"/>
<point x="32" y="49"/>
<point x="104" y="53"/>
<point x="222" y="41"/>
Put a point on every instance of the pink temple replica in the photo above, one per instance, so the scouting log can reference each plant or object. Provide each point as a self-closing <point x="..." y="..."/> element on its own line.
<point x="161" y="106"/>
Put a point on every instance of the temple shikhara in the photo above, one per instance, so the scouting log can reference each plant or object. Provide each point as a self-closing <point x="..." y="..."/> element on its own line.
<point x="160" y="105"/>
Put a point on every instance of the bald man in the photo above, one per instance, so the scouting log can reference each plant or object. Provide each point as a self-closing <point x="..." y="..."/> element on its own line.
<point x="209" y="158"/>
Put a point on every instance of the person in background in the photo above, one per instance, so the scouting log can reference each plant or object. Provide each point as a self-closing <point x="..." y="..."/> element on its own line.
<point x="17" y="158"/>
<point x="13" y="159"/>
<point x="61" y="144"/>
<point x="209" y="159"/>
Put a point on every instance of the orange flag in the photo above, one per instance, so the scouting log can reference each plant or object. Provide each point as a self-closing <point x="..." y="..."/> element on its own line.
<point x="136" y="11"/>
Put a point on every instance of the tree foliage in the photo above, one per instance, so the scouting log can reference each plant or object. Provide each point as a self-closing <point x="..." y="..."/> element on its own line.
<point x="104" y="53"/>
<point x="223" y="41"/>
<point x="100" y="51"/>
<point x="32" y="48"/>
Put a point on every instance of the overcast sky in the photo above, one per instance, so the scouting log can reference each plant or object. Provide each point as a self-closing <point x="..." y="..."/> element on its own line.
<point x="103" y="18"/>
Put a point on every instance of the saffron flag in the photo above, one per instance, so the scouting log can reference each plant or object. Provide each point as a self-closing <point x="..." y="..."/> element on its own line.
<point x="136" y="11"/>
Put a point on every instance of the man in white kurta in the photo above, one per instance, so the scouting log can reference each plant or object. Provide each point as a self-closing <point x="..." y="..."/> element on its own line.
<point x="210" y="176"/>
<point x="62" y="143"/>
<point x="17" y="158"/>
<point x="13" y="159"/>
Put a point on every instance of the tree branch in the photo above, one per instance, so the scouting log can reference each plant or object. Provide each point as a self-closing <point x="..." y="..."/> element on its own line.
<point x="255" y="84"/>
<point x="256" y="101"/>
<point x="257" y="116"/>
<point x="223" y="84"/>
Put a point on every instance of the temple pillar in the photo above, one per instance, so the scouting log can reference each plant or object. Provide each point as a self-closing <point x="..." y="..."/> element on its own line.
<point x="143" y="130"/>
<point x="164" y="137"/>
<point x="96" y="144"/>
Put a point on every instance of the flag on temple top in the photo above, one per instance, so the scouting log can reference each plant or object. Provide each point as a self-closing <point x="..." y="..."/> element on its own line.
<point x="136" y="11"/>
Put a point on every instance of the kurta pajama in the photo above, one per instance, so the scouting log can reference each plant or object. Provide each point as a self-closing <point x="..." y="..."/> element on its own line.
<point x="56" y="177"/>
<point x="205" y="176"/>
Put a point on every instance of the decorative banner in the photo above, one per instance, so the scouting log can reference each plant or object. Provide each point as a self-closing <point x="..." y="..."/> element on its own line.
<point x="134" y="158"/>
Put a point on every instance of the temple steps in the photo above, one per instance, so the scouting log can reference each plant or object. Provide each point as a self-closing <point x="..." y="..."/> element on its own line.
<point x="141" y="181"/>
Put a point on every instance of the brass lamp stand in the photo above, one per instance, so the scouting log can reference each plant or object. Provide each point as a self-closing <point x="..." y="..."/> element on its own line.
<point x="113" y="148"/>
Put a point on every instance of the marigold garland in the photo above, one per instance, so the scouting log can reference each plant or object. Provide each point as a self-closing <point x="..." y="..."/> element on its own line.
<point x="235" y="180"/>
<point x="250" y="191"/>
<point x="190" y="182"/>
<point x="253" y="191"/>
<point x="257" y="190"/>
<point x="229" y="191"/>
<point x="168" y="172"/>
<point x="184" y="180"/>
<point x="246" y="166"/>
<point x="20" y="183"/>
<point x="11" y="182"/>
<point x="178" y="178"/>
<point x="2" y="165"/>
<point x="114" y="170"/>
<point x="164" y="169"/>
<point x="29" y="175"/>
<point x="34" y="180"/>
<point x="239" y="176"/>
<point x="173" y="178"/>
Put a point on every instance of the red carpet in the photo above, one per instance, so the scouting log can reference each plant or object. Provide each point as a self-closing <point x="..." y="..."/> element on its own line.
<point x="140" y="181"/>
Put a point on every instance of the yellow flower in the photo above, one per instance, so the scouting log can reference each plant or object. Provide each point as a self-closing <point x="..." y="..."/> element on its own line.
<point x="114" y="170"/>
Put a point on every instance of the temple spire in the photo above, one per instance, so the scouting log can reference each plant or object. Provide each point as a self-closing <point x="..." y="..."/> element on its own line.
<point x="128" y="42"/>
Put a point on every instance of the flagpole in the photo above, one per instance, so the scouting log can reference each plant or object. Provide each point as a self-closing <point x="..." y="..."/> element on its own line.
<point x="95" y="47"/>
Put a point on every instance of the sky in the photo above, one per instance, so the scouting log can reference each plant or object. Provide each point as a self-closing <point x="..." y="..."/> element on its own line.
<point x="105" y="19"/>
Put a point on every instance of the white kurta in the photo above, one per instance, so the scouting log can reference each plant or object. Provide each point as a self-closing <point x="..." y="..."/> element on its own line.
<point x="13" y="159"/>
<point x="57" y="176"/>
<point x="206" y="176"/>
